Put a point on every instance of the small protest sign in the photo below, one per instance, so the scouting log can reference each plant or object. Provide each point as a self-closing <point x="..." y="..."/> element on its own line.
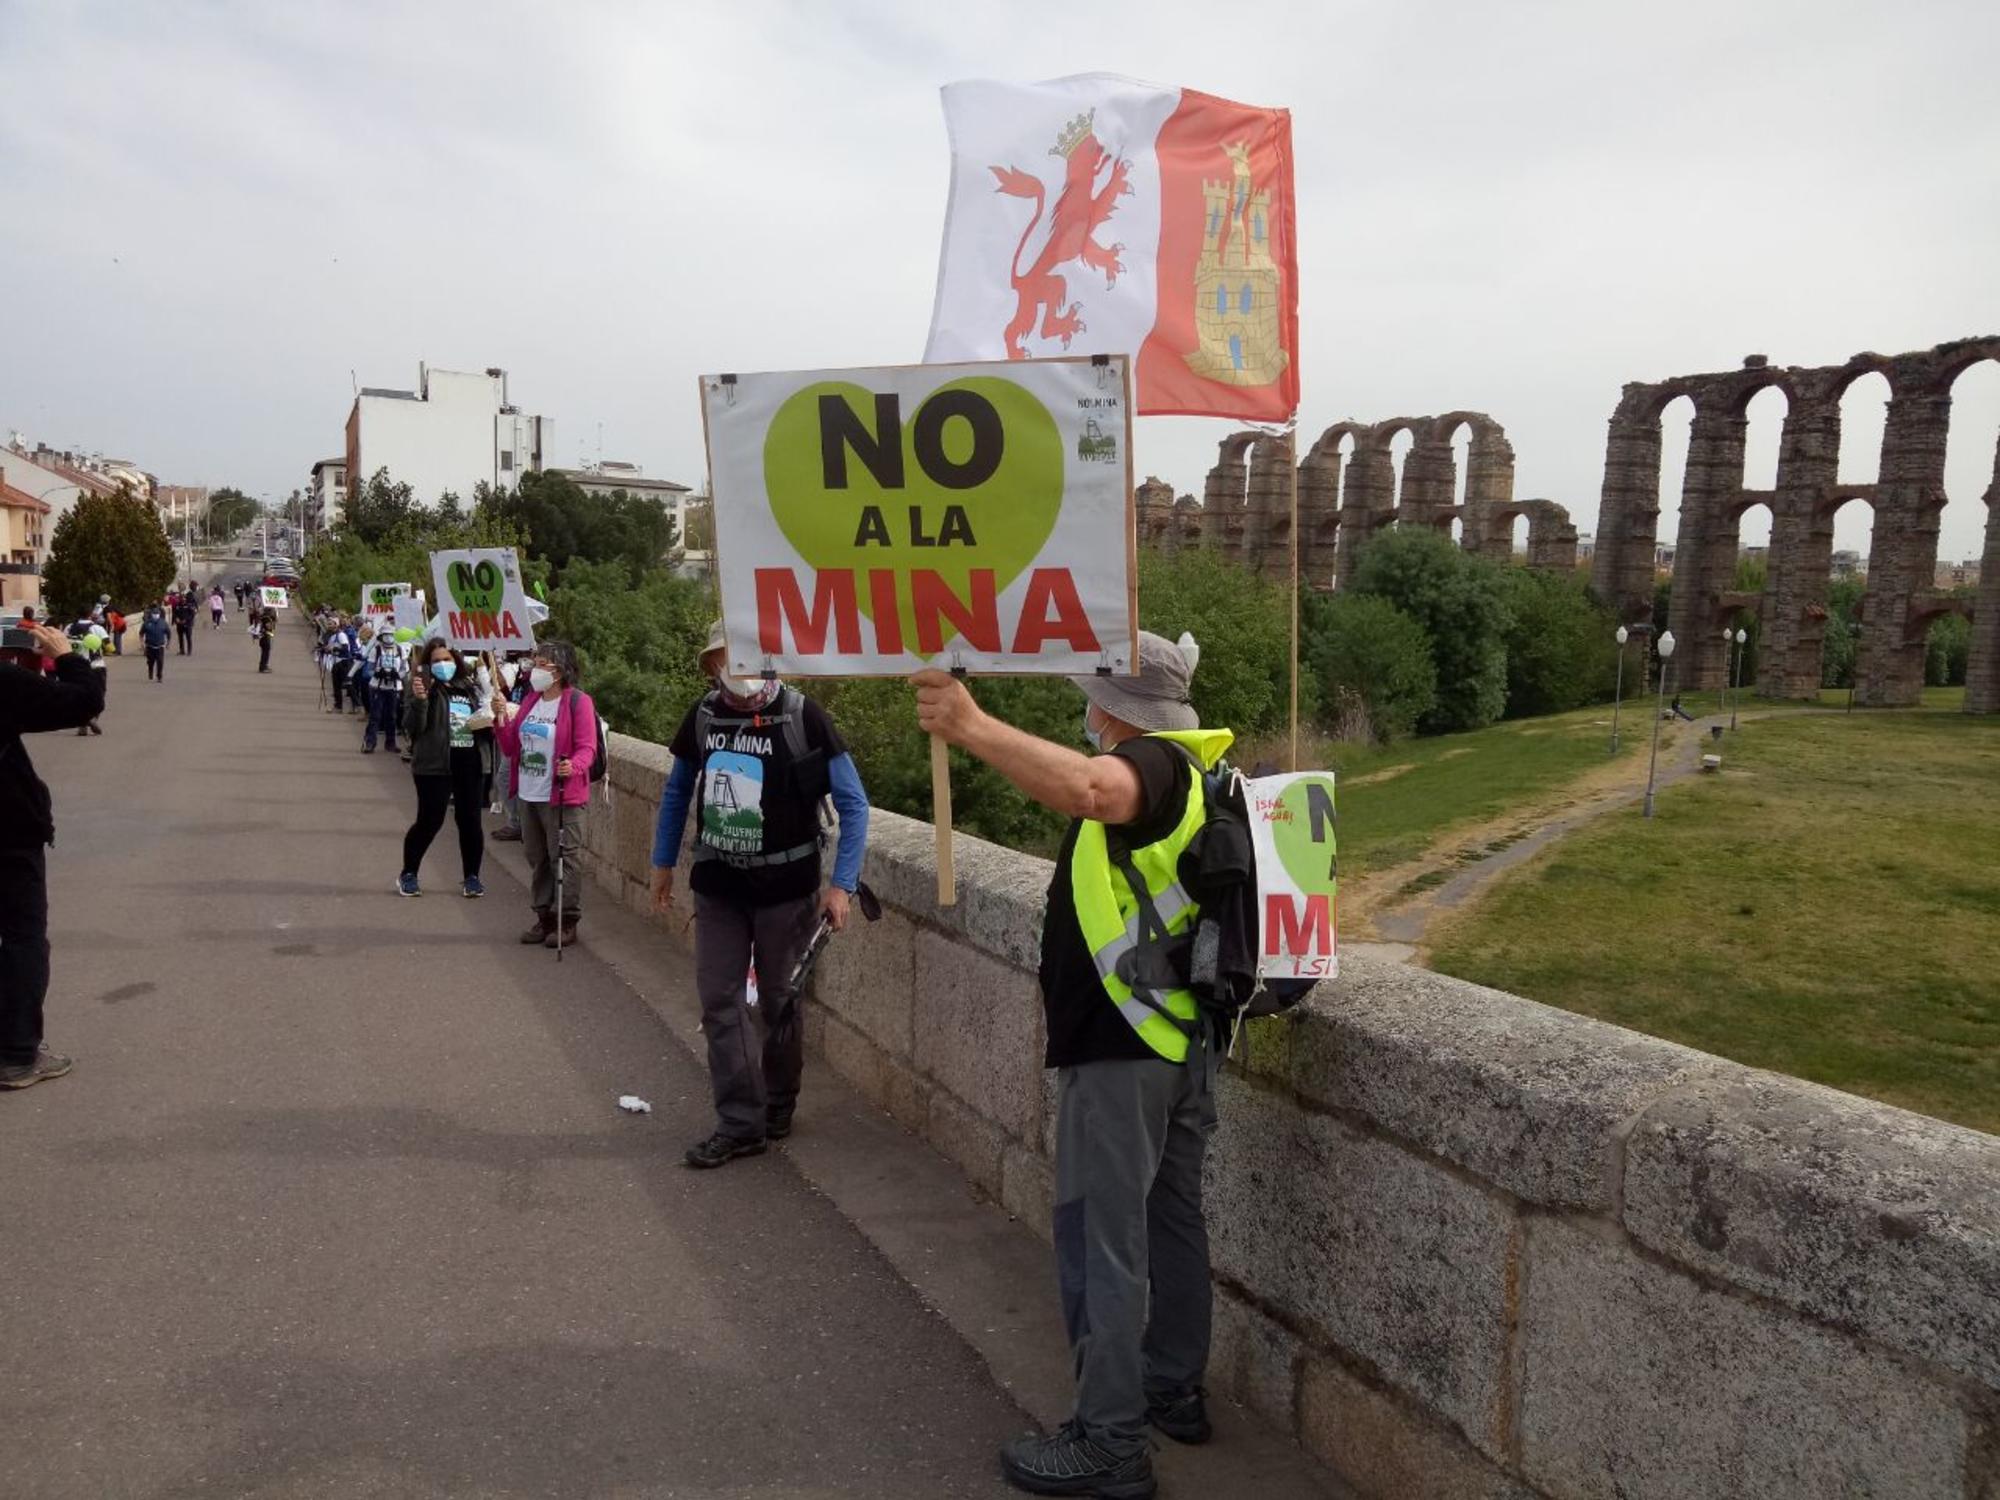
<point x="979" y="517"/>
<point x="378" y="601"/>
<point x="1292" y="830"/>
<point x="481" y="603"/>
<point x="409" y="613"/>
<point x="274" y="598"/>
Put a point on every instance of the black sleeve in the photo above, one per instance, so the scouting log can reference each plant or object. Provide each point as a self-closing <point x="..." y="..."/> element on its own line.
<point x="820" y="733"/>
<point x="33" y="704"/>
<point x="1163" y="779"/>
<point x="682" y="747"/>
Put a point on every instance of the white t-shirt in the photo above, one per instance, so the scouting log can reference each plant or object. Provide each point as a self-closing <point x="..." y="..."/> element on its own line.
<point x="538" y="749"/>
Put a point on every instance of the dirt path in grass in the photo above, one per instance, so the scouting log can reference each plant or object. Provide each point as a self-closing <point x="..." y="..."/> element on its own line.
<point x="1394" y="908"/>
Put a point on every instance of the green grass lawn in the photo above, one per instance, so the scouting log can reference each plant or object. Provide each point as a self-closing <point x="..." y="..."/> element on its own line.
<point x="1952" y="698"/>
<point x="1464" y="778"/>
<point x="1829" y="907"/>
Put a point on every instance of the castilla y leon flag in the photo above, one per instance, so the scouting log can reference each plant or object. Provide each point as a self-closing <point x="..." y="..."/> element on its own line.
<point x="1098" y="215"/>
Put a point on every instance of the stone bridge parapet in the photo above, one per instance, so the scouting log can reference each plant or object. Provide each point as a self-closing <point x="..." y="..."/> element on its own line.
<point x="1465" y="1244"/>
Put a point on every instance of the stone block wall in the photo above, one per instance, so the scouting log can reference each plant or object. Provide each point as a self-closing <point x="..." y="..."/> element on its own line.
<point x="1466" y="1245"/>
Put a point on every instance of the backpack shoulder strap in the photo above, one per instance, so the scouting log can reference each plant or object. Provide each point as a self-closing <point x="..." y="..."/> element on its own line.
<point x="791" y="714"/>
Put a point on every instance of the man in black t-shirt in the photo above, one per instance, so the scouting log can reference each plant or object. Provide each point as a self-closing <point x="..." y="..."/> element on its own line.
<point x="1135" y="1098"/>
<point x="757" y="761"/>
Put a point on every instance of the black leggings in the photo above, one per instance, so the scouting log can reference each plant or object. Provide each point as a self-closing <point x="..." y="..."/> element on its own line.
<point x="463" y="789"/>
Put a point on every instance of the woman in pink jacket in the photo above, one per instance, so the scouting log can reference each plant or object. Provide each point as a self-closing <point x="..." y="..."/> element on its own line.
<point x="550" y="741"/>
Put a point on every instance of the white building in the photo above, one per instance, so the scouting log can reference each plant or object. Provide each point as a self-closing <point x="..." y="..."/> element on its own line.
<point x="454" y="431"/>
<point x="54" y="488"/>
<point x="606" y="477"/>
<point x="326" y="495"/>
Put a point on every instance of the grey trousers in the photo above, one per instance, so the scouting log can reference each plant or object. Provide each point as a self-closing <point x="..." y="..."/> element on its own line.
<point x="538" y="842"/>
<point x="754" y="1066"/>
<point x="1130" y="1137"/>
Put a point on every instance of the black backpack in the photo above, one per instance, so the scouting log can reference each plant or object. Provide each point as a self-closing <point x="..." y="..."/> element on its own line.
<point x="1216" y="959"/>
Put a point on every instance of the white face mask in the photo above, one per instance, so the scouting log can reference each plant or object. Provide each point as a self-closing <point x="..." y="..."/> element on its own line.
<point x="744" y="688"/>
<point x="541" y="679"/>
<point x="1090" y="731"/>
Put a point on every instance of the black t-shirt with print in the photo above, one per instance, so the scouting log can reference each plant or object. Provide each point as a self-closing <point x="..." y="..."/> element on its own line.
<point x="751" y="798"/>
<point x="1084" y="1026"/>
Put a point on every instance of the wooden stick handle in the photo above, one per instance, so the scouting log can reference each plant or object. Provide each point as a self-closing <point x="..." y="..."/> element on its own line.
<point x="941" y="818"/>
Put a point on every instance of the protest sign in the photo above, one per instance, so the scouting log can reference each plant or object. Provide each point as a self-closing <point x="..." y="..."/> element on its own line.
<point x="481" y="604"/>
<point x="409" y="612"/>
<point x="974" y="517"/>
<point x="1292" y="831"/>
<point x="378" y="601"/>
<point x="272" y="598"/>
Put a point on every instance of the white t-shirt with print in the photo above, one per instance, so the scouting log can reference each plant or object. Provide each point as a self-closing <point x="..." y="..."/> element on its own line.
<point x="538" y="749"/>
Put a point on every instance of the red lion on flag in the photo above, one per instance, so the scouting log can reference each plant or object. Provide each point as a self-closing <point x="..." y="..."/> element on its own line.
<point x="1081" y="210"/>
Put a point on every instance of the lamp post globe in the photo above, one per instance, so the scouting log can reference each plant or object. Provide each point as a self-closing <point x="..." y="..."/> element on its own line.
<point x="1666" y="649"/>
<point x="1736" y="691"/>
<point x="1618" y="696"/>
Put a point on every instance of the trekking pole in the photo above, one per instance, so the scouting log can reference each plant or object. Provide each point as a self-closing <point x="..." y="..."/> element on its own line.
<point x="559" y="868"/>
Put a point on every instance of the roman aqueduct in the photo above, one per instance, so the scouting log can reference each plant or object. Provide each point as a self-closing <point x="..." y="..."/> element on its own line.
<point x="1349" y="490"/>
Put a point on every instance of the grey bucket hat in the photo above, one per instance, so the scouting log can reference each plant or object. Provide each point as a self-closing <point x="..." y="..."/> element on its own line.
<point x="1157" y="698"/>
<point x="716" y="640"/>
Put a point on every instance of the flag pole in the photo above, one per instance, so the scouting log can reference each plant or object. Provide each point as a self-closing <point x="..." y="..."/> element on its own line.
<point x="1292" y="467"/>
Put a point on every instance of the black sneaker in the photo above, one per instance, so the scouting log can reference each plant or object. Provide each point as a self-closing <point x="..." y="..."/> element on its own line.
<point x="46" y="1065"/>
<point x="777" y="1124"/>
<point x="1068" y="1463"/>
<point x="720" y="1148"/>
<point x="1184" y="1418"/>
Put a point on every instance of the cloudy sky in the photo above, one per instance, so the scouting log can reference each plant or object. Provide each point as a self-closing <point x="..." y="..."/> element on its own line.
<point x="216" y="216"/>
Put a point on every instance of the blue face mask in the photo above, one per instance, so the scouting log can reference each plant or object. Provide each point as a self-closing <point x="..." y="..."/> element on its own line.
<point x="444" y="671"/>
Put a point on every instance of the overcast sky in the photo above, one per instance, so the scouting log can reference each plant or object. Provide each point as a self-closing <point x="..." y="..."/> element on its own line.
<point x="214" y="217"/>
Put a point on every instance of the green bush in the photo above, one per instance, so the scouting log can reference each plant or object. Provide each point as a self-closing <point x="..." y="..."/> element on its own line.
<point x="106" y="544"/>
<point x="1364" y="645"/>
<point x="638" y="647"/>
<point x="1456" y="597"/>
<point x="1243" y="626"/>
<point x="1562" y="646"/>
<point x="1945" y="650"/>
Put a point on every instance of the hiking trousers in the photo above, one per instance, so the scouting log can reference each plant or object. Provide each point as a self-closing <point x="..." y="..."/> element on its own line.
<point x="156" y="663"/>
<point x="1130" y="1137"/>
<point x="754" y="1067"/>
<point x="24" y="952"/>
<point x="538" y="843"/>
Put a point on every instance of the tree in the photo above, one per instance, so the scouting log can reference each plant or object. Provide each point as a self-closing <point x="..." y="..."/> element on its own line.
<point x="1946" y="648"/>
<point x="1562" y="646"/>
<point x="564" y="522"/>
<point x="1361" y="645"/>
<point x="1455" y="596"/>
<point x="229" y="511"/>
<point x="1841" y="647"/>
<point x="1243" y="626"/>
<point x="107" y="544"/>
<point x="378" y="507"/>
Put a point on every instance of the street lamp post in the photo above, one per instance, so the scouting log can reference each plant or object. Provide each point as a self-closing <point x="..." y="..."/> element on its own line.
<point x="1722" y="693"/>
<point x="1736" y="697"/>
<point x="1659" y="713"/>
<point x="1623" y="636"/>
<point x="1854" y="664"/>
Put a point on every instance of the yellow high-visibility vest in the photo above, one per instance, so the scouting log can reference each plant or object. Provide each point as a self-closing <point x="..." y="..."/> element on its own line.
<point x="1108" y="912"/>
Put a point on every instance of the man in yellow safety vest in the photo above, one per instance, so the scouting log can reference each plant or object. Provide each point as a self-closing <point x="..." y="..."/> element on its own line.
<point x="1136" y="1061"/>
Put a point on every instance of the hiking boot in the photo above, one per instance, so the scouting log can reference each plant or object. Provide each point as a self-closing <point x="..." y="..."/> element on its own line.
<point x="544" y="925"/>
<point x="777" y="1124"/>
<point x="46" y="1065"/>
<point x="507" y="835"/>
<point x="406" y="884"/>
<point x="568" y="936"/>
<point x="95" y="727"/>
<point x="1184" y="1418"/>
<point x="473" y="889"/>
<point x="720" y="1148"/>
<point x="1069" y="1463"/>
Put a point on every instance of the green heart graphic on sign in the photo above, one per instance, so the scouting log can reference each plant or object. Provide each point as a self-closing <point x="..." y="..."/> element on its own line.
<point x="1009" y="511"/>
<point x="1310" y="864"/>
<point x="381" y="596"/>
<point x="478" y="586"/>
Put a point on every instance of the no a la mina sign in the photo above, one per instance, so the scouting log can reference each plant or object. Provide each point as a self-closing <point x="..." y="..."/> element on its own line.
<point x="1292" y="833"/>
<point x="977" y="517"/>
<point x="481" y="603"/>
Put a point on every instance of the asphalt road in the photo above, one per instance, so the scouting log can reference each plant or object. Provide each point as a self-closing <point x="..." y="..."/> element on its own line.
<point x="338" y="1201"/>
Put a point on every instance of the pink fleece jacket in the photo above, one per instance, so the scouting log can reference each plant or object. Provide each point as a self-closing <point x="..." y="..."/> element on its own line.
<point x="576" y="741"/>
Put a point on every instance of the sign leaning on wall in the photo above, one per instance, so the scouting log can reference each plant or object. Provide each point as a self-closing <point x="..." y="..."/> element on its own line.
<point x="1292" y="832"/>
<point x="481" y="603"/>
<point x="976" y="517"/>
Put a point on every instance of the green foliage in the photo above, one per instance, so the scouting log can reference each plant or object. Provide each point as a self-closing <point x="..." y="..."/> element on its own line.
<point x="1945" y="651"/>
<point x="1842" y="644"/>
<point x="1456" y="597"/>
<point x="229" y="511"/>
<point x="638" y="646"/>
<point x="338" y="568"/>
<point x="379" y="507"/>
<point x="1362" y="645"/>
<point x="564" y="522"/>
<point x="1243" y="626"/>
<point x="1562" y="645"/>
<point x="107" y="544"/>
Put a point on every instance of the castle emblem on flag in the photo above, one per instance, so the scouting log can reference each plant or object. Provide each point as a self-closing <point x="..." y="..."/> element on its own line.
<point x="1236" y="302"/>
<point x="1081" y="210"/>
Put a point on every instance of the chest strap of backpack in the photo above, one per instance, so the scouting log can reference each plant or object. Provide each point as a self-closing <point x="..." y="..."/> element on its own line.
<point x="786" y="714"/>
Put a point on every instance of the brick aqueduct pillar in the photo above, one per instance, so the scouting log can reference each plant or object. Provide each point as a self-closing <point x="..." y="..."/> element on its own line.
<point x="1908" y="496"/>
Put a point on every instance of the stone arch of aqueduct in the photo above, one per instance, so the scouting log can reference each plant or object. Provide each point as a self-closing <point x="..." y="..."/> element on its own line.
<point x="1348" y="491"/>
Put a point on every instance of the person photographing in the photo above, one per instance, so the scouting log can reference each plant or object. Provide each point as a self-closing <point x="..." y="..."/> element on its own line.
<point x="31" y="703"/>
<point x="450" y="762"/>
<point x="550" y="742"/>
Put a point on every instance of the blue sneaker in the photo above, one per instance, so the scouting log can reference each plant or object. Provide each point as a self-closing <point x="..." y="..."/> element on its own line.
<point x="406" y="884"/>
<point x="473" y="888"/>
